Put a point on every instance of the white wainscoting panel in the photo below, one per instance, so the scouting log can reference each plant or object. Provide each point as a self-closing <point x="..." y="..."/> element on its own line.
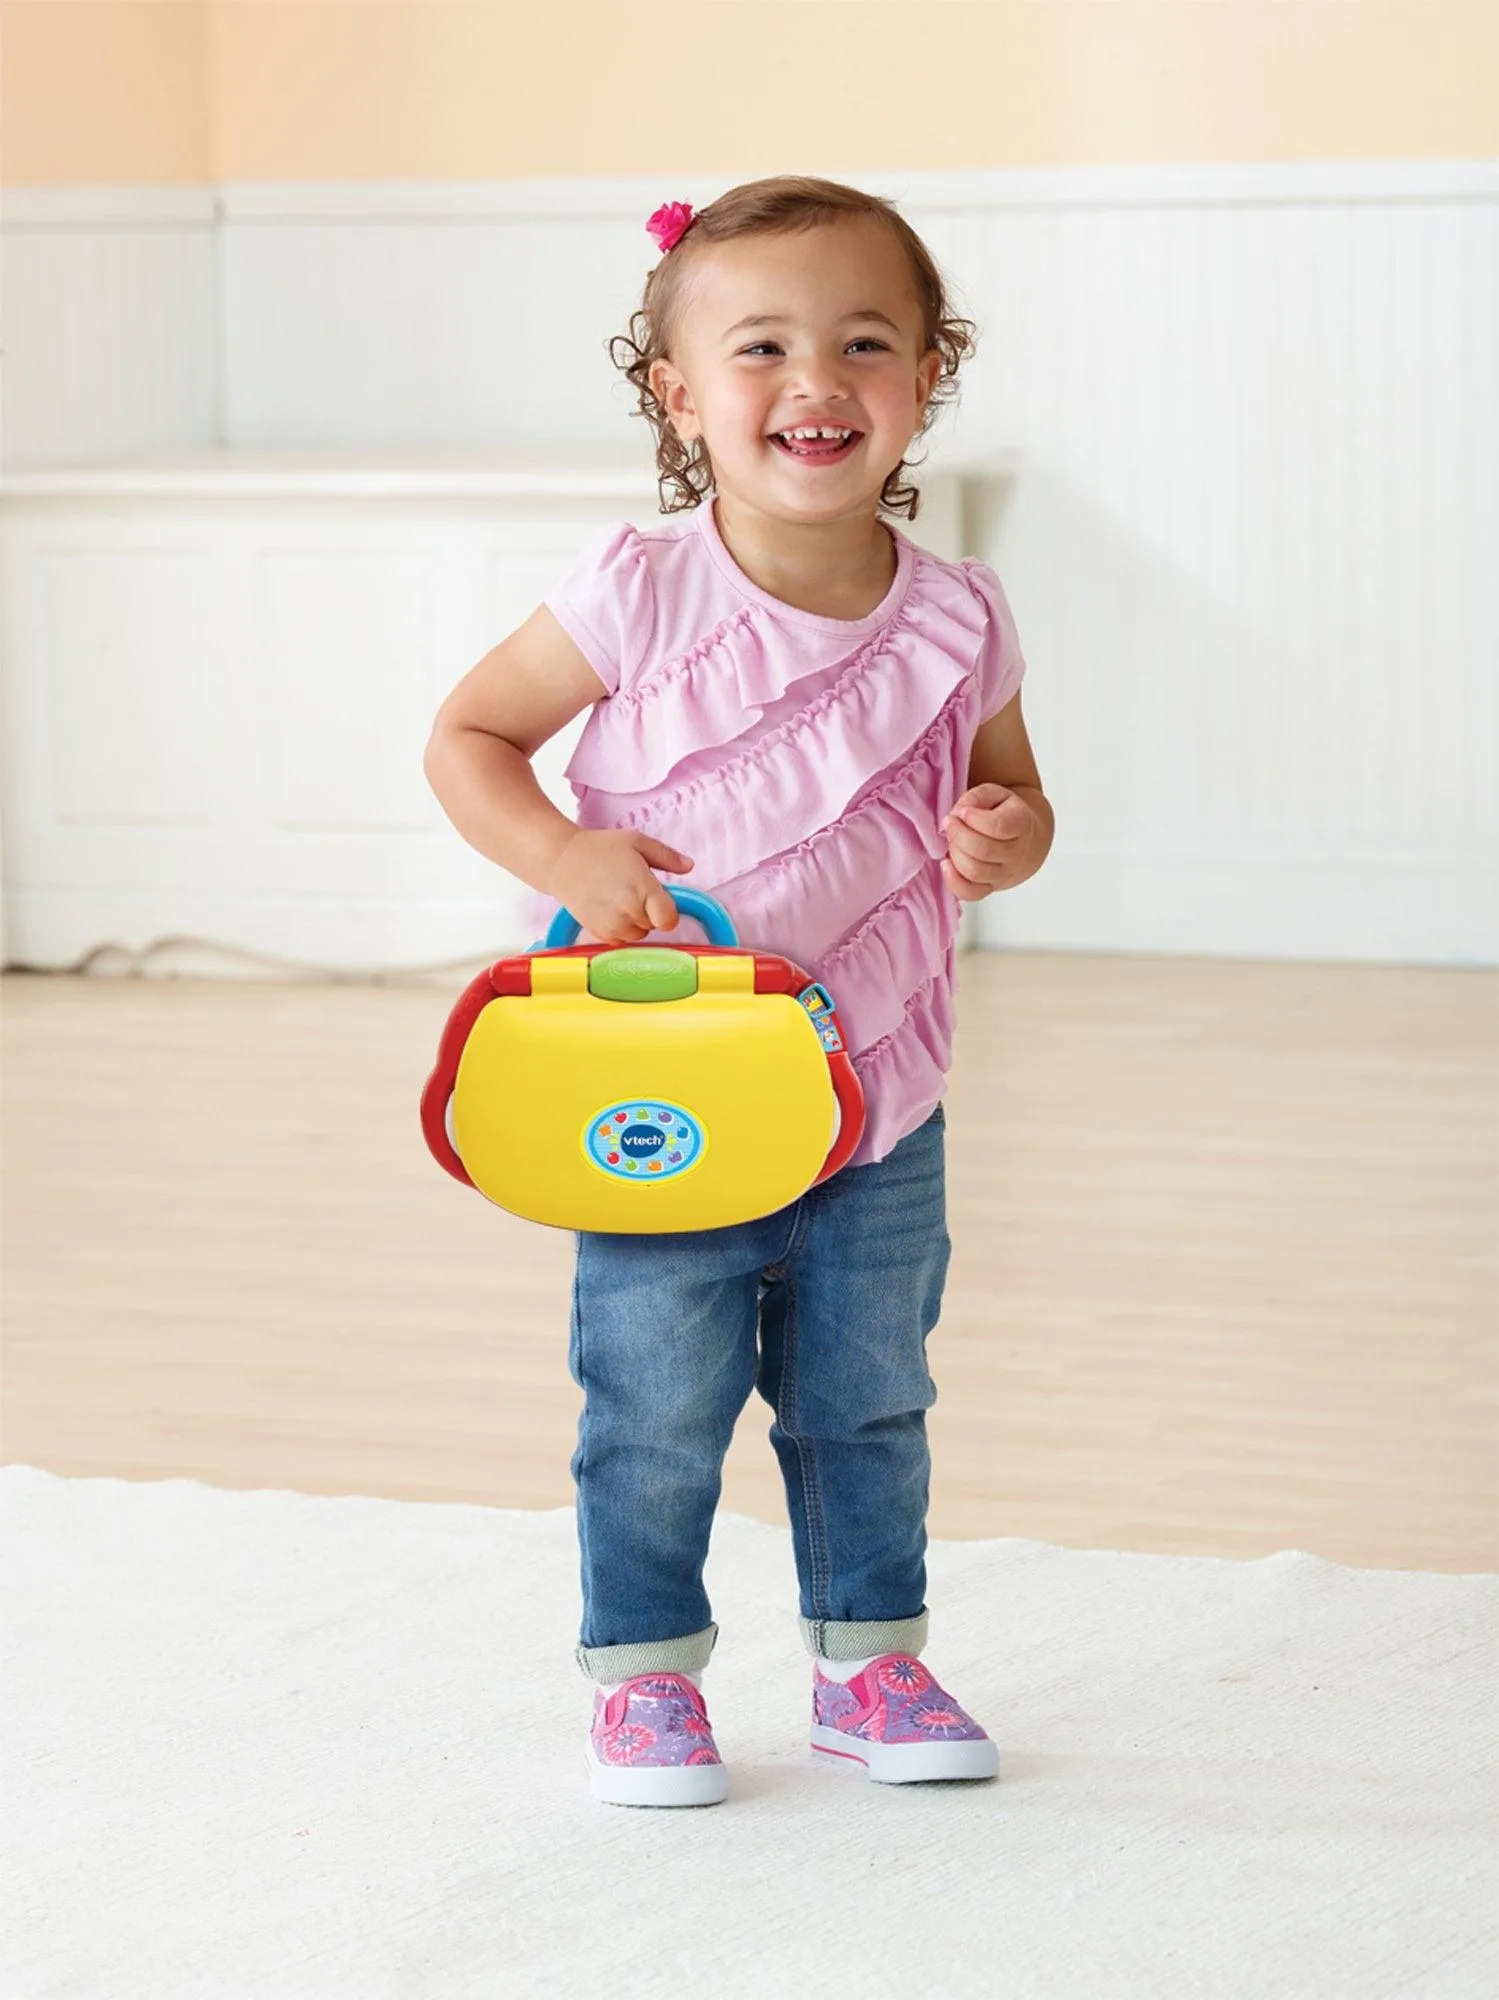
<point x="219" y="685"/>
<point x="1249" y="542"/>
<point x="123" y="635"/>
<point x="250" y="775"/>
<point x="220" y="681"/>
<point x="1230" y="439"/>
<point x="111" y="323"/>
<point x="346" y="648"/>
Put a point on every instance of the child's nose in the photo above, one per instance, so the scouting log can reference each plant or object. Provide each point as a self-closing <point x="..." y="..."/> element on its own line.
<point x="821" y="378"/>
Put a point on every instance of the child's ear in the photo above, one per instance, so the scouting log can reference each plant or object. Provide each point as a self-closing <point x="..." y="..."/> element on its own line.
<point x="927" y="371"/>
<point x="675" y="397"/>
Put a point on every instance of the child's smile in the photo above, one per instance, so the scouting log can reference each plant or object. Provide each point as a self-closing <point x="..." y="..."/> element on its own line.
<point x="818" y="445"/>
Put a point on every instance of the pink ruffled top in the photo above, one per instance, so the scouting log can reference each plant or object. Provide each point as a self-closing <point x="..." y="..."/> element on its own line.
<point x="805" y="763"/>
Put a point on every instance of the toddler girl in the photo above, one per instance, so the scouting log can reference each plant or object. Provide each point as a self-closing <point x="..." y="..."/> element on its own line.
<point x="820" y="722"/>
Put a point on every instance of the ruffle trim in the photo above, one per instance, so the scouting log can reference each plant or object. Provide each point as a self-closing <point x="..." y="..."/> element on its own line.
<point x="929" y="1006"/>
<point x="649" y="727"/>
<point x="761" y="808"/>
<point x="837" y="732"/>
<point x="855" y="727"/>
<point x="881" y="838"/>
<point x="875" y="971"/>
<point x="906" y="1067"/>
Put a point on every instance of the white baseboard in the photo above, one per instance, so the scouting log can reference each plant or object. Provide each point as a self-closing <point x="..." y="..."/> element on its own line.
<point x="254" y="936"/>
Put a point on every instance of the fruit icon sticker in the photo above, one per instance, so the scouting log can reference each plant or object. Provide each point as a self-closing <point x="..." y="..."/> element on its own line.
<point x="644" y="1140"/>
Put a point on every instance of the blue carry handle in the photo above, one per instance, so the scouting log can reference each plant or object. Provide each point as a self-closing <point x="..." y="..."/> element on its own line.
<point x="711" y="914"/>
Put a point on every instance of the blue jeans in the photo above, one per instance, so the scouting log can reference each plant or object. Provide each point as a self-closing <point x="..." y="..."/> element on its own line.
<point x="825" y="1308"/>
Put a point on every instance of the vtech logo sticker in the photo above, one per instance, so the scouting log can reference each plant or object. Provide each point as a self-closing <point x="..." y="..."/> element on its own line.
<point x="644" y="1141"/>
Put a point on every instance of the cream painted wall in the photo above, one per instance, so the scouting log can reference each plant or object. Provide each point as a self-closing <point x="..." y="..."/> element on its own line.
<point x="104" y="91"/>
<point x="186" y="90"/>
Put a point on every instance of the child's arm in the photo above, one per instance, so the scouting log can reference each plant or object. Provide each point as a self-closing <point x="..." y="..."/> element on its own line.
<point x="478" y="762"/>
<point x="1000" y="831"/>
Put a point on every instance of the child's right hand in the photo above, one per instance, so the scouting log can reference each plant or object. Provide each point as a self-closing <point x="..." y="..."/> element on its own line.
<point x="603" y="876"/>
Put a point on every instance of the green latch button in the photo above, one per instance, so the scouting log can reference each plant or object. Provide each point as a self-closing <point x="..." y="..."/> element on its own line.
<point x="642" y="972"/>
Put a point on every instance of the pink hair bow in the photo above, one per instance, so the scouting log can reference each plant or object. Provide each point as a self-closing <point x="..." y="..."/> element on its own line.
<point x="671" y="223"/>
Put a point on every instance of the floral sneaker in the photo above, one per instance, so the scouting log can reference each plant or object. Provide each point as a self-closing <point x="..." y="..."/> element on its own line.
<point x="899" y="1724"/>
<point x="652" y="1745"/>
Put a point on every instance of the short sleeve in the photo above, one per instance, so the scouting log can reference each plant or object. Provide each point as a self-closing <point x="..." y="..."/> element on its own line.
<point x="1001" y="662"/>
<point x="604" y="603"/>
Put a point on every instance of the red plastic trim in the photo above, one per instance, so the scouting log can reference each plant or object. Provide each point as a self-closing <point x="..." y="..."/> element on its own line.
<point x="474" y="998"/>
<point x="778" y="975"/>
<point x="511" y="978"/>
<point x="850" y="1095"/>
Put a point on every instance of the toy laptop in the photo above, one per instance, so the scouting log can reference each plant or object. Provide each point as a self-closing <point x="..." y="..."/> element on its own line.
<point x="643" y="1088"/>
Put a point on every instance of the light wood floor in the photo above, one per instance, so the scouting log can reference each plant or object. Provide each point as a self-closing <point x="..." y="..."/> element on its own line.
<point x="1224" y="1275"/>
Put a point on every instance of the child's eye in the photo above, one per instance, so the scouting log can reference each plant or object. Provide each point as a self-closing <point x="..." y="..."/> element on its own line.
<point x="771" y="347"/>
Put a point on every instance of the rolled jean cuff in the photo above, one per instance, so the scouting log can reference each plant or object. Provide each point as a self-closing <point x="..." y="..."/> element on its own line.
<point x="609" y="1665"/>
<point x="835" y="1639"/>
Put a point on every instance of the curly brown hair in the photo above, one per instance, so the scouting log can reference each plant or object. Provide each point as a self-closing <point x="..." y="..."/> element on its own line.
<point x="770" y="207"/>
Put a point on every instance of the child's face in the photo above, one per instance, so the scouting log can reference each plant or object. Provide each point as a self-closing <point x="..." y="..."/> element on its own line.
<point x="840" y="347"/>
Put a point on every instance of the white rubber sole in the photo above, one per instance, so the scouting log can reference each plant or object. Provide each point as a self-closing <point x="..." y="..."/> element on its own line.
<point x="644" y="1785"/>
<point x="910" y="1763"/>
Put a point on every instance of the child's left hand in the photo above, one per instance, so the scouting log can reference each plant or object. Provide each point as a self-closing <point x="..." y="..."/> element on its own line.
<point x="990" y="834"/>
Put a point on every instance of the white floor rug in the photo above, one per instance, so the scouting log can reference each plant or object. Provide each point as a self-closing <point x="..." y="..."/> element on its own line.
<point x="261" y="1746"/>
